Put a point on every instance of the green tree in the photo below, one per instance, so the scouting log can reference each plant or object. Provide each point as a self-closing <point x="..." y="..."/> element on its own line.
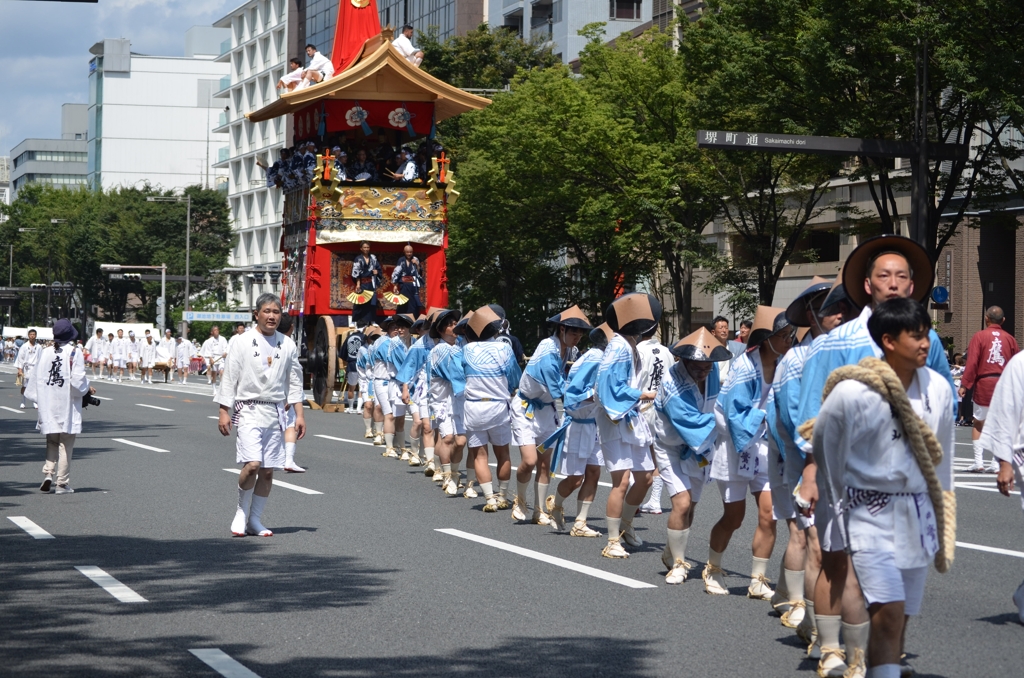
<point x="484" y="58"/>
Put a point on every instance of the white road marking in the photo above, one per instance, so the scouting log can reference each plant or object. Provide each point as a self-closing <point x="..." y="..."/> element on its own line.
<point x="110" y="585"/>
<point x="985" y="487"/>
<point x="280" y="483"/>
<point x="101" y="398"/>
<point x="11" y="409"/>
<point x="991" y="549"/>
<point x="212" y="417"/>
<point x="222" y="663"/>
<point x="545" y="558"/>
<point x="155" y="407"/>
<point x="30" y="527"/>
<point x="343" y="440"/>
<point x="134" y="444"/>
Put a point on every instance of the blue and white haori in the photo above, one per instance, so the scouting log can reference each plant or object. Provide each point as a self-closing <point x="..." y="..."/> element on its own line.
<point x="388" y="356"/>
<point x="684" y="430"/>
<point x="492" y="376"/>
<point x="741" y="457"/>
<point x="786" y="458"/>
<point x="446" y="389"/>
<point x="576" y="445"/>
<point x="534" y="417"/>
<point x="625" y="436"/>
<point x="364" y="368"/>
<point x="413" y="372"/>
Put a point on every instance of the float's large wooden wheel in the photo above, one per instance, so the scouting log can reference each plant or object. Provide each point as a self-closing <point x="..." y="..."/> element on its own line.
<point x="324" y="361"/>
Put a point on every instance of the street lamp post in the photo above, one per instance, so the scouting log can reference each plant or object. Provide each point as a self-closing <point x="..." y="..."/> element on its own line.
<point x="187" y="199"/>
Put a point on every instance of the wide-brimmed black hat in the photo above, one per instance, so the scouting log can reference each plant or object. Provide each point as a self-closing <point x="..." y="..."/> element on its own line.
<point x="460" y="327"/>
<point x="768" y="321"/>
<point x="701" y="346"/>
<point x="483" y="324"/>
<point x="856" y="266"/>
<point x="633" y="314"/>
<point x="795" y="312"/>
<point x="403" y="318"/>
<point x="417" y="327"/>
<point x="440" y="319"/>
<point x="601" y="335"/>
<point x="571" y="317"/>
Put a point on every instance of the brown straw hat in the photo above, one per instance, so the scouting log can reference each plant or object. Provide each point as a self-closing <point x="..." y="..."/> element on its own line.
<point x="856" y="266"/>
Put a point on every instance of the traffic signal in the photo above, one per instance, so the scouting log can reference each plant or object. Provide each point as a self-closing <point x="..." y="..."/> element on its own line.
<point x="38" y="286"/>
<point x="132" y="276"/>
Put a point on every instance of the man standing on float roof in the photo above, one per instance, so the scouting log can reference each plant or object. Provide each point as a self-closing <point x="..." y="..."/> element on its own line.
<point x="884" y="267"/>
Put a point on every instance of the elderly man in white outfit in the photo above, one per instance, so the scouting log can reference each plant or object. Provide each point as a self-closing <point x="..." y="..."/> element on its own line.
<point x="57" y="387"/>
<point x="262" y="381"/>
<point x="213" y="352"/>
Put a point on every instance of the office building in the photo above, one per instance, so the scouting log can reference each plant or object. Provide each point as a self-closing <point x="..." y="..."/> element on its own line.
<point x="260" y="39"/>
<point x="5" y="182"/>
<point x="150" y="117"/>
<point x="57" y="162"/>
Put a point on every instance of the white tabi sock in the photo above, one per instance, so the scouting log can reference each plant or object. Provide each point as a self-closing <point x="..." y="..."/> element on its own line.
<point x="487" y="488"/>
<point x="677" y="543"/>
<point x="978" y="452"/>
<point x="522" y="489"/>
<point x="359" y="403"/>
<point x="256" y="513"/>
<point x="614" y="527"/>
<point x="855" y="636"/>
<point x="793" y="583"/>
<point x="389" y="440"/>
<point x="714" y="557"/>
<point x="503" y="488"/>
<point x="428" y="452"/>
<point x="759" y="566"/>
<point x="884" y="671"/>
<point x="540" y="494"/>
<point x="656" y="491"/>
<point x="559" y="499"/>
<point x="415" y="447"/>
<point x="368" y="423"/>
<point x="289" y="454"/>
<point x="582" y="509"/>
<point x="241" y="518"/>
<point x="470" y="476"/>
<point x="809" y="613"/>
<point x="446" y="468"/>
<point x="828" y="630"/>
<point x="628" y="513"/>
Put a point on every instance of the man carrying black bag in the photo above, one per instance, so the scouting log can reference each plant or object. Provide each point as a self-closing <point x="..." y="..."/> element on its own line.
<point x="57" y="385"/>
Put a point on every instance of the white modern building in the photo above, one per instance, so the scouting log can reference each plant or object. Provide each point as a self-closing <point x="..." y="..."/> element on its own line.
<point x="255" y="51"/>
<point x="5" y="182"/>
<point x="151" y="117"/>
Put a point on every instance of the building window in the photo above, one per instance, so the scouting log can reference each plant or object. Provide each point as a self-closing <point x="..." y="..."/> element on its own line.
<point x="628" y="10"/>
<point x="51" y="156"/>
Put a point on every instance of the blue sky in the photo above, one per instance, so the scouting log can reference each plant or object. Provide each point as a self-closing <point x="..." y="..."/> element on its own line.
<point x="44" y="52"/>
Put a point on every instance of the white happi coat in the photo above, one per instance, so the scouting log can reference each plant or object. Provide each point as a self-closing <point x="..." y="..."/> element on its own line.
<point x="256" y="394"/>
<point x="57" y="387"/>
<point x="183" y="353"/>
<point x="119" y="348"/>
<point x="28" y="355"/>
<point x="147" y="354"/>
<point x="870" y="473"/>
<point x="214" y="349"/>
<point x="95" y="348"/>
<point x="1003" y="435"/>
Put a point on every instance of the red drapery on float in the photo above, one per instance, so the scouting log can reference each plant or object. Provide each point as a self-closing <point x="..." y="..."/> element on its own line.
<point x="355" y="25"/>
<point x="415" y="118"/>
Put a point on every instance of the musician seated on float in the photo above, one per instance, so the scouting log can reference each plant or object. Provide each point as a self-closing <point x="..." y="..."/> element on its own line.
<point x="361" y="168"/>
<point x="406" y="170"/>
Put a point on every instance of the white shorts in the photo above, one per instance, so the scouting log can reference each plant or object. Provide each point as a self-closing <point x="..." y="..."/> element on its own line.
<point x="783" y="507"/>
<point x="289" y="417"/>
<point x="484" y="415"/>
<point x="395" y="393"/>
<point x="352" y="378"/>
<point x="828" y="524"/>
<point x="118" y="362"/>
<point x="681" y="476"/>
<point x="498" y="435"/>
<point x="621" y="456"/>
<point x="451" y="425"/>
<point x="582" y="448"/>
<point x="148" y="364"/>
<point x="882" y="582"/>
<point x="736" y="490"/>
<point x="979" y="412"/>
<point x="215" y="367"/>
<point x="265" y="445"/>
<point x="573" y="465"/>
<point x="535" y="430"/>
<point x="382" y="388"/>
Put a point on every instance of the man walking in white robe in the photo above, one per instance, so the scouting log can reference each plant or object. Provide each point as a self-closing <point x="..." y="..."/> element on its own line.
<point x="262" y="381"/>
<point x="215" y="349"/>
<point x="28" y="354"/>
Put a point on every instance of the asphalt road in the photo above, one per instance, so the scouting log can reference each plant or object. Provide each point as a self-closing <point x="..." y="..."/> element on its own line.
<point x="358" y="581"/>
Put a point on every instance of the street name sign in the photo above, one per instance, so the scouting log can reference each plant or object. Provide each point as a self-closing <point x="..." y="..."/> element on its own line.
<point x="221" y="316"/>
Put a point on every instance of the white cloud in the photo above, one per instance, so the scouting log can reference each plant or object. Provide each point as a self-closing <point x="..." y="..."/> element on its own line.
<point x="44" y="52"/>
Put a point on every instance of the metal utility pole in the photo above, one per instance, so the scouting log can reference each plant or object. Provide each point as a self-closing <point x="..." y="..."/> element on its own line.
<point x="919" y="194"/>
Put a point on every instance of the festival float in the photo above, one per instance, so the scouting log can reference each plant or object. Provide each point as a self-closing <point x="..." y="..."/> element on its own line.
<point x="375" y="97"/>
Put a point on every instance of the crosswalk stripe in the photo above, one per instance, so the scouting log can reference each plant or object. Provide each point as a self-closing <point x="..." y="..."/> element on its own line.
<point x="135" y="444"/>
<point x="155" y="407"/>
<point x="222" y="663"/>
<point x="30" y="527"/>
<point x="280" y="483"/>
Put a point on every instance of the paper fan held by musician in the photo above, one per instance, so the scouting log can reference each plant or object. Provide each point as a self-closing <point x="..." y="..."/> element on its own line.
<point x="376" y="99"/>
